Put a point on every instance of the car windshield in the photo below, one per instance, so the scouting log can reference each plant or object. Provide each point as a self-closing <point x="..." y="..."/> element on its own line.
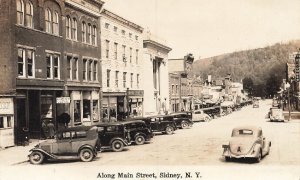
<point x="242" y="132"/>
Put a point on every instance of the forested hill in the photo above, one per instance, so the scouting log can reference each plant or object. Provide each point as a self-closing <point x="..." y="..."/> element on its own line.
<point x="257" y="64"/>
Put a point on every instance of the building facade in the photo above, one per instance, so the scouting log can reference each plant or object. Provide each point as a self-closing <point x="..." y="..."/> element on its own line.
<point x="46" y="64"/>
<point x="174" y="92"/>
<point x="183" y="67"/>
<point x="155" y="75"/>
<point x="122" y="53"/>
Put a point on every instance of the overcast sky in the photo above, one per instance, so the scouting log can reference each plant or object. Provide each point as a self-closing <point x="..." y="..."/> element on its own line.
<point x="211" y="27"/>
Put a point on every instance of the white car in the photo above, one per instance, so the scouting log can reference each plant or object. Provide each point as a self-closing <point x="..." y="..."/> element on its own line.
<point x="199" y="115"/>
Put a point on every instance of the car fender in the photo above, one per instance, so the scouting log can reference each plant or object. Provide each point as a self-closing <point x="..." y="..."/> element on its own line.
<point x="140" y="133"/>
<point x="124" y="142"/>
<point x="44" y="152"/>
<point x="256" y="148"/>
<point x="89" y="147"/>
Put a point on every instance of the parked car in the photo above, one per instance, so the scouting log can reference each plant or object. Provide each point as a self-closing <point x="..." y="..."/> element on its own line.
<point x="138" y="130"/>
<point x="276" y="114"/>
<point x="182" y="120"/>
<point x="199" y="115"/>
<point x="247" y="142"/>
<point x="113" y="136"/>
<point x="160" y="123"/>
<point x="70" y="143"/>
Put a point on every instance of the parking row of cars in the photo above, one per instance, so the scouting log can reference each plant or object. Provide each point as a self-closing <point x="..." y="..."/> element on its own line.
<point x="85" y="142"/>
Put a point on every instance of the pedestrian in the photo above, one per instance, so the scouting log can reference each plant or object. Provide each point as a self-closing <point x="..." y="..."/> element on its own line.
<point x="51" y="129"/>
<point x="45" y="129"/>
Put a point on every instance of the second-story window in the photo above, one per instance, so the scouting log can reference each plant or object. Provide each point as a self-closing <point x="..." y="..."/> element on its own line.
<point x="29" y="15"/>
<point x="115" y="29"/>
<point x="130" y="55"/>
<point x="21" y="62"/>
<point x="74" y="69"/>
<point x="108" y="78"/>
<point x="48" y="20"/>
<point x="84" y="70"/>
<point x="68" y="27"/>
<point x="90" y="68"/>
<point x="107" y="48"/>
<point x="95" y="71"/>
<point x="83" y="32"/>
<point x="137" y="56"/>
<point x="20" y="12"/>
<point x="138" y="81"/>
<point x="124" y="79"/>
<point x="56" y="23"/>
<point x="116" y="51"/>
<point x="53" y="66"/>
<point x="123" y="32"/>
<point x="123" y="53"/>
<point x="106" y="25"/>
<point x="131" y="80"/>
<point x="74" y="29"/>
<point x="117" y="79"/>
<point x="30" y="63"/>
<point x="26" y="63"/>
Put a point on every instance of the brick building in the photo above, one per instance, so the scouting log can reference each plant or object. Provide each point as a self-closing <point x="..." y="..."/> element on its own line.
<point x="50" y="64"/>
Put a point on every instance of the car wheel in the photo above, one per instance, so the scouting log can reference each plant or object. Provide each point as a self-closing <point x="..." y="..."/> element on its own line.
<point x="169" y="130"/>
<point x="36" y="157"/>
<point x="258" y="158"/>
<point x="117" y="145"/>
<point x="86" y="155"/>
<point x="139" y="140"/>
<point x="227" y="159"/>
<point x="184" y="125"/>
<point x="207" y="119"/>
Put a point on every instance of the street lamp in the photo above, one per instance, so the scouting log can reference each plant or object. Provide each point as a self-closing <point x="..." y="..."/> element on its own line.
<point x="287" y="86"/>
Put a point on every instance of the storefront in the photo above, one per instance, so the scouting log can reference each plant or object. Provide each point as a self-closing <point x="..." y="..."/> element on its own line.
<point x="135" y="102"/>
<point x="84" y="107"/>
<point x="113" y="107"/>
<point x="6" y="122"/>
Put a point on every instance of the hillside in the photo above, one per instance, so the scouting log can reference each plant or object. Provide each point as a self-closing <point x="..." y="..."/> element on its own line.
<point x="257" y="64"/>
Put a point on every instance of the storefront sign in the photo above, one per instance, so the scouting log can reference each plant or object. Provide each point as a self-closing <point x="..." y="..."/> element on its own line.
<point x="6" y="106"/>
<point x="135" y="93"/>
<point x="63" y="100"/>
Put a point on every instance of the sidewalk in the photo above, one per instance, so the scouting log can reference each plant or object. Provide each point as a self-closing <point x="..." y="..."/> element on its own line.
<point x="16" y="154"/>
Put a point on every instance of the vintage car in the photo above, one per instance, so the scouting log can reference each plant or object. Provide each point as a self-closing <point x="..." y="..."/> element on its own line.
<point x="182" y="119"/>
<point x="199" y="115"/>
<point x="113" y="136"/>
<point x="70" y="143"/>
<point x="138" y="130"/>
<point x="160" y="123"/>
<point x="276" y="114"/>
<point x="247" y="142"/>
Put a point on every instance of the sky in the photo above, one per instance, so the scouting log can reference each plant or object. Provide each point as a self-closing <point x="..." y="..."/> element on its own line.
<point x="208" y="28"/>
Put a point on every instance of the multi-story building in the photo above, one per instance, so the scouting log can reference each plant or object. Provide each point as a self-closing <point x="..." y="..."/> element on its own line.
<point x="49" y="64"/>
<point x="155" y="75"/>
<point x="122" y="53"/>
<point x="174" y="91"/>
<point x="183" y="67"/>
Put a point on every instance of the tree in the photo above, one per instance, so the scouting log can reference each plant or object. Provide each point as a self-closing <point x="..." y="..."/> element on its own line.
<point x="248" y="85"/>
<point x="273" y="85"/>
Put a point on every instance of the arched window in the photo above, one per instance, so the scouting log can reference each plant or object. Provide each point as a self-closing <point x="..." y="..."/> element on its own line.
<point x="74" y="29"/>
<point x="94" y="36"/>
<point x="20" y="12"/>
<point x="68" y="27"/>
<point x="29" y="15"/>
<point x="89" y="40"/>
<point x="83" y="32"/>
<point x="48" y="20"/>
<point x="56" y="23"/>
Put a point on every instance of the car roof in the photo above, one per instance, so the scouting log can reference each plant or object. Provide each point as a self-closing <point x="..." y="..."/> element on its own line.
<point x="77" y="128"/>
<point x="176" y="113"/>
<point x="250" y="127"/>
<point x="129" y="121"/>
<point x="109" y="124"/>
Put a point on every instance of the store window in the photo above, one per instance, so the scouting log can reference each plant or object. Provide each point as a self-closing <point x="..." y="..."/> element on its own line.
<point x="95" y="110"/>
<point x="87" y="109"/>
<point x="46" y="107"/>
<point x="1" y="122"/>
<point x="77" y="110"/>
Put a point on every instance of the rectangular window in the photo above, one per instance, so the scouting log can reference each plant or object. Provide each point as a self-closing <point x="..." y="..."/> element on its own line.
<point x="75" y="69"/>
<point x="29" y="15"/>
<point x="84" y="69"/>
<point x="108" y="78"/>
<point x="77" y="110"/>
<point x="1" y="122"/>
<point x="30" y="63"/>
<point x="172" y="90"/>
<point x="106" y="25"/>
<point x="9" y="119"/>
<point x="20" y="12"/>
<point x="123" y="32"/>
<point x="95" y="110"/>
<point x="124" y="79"/>
<point x="48" y="19"/>
<point x="74" y="29"/>
<point x="83" y="32"/>
<point x="107" y="48"/>
<point x="130" y="53"/>
<point x="95" y="72"/>
<point x="90" y="78"/>
<point x="56" y="23"/>
<point x="136" y="37"/>
<point x="115" y="28"/>
<point x="68" y="27"/>
<point x="87" y="109"/>
<point x="117" y="79"/>
<point x="130" y="35"/>
<point x="94" y="36"/>
<point x="131" y="80"/>
<point x="116" y="50"/>
<point x="53" y="66"/>
<point x="123" y="53"/>
<point x="138" y="81"/>
<point x="89" y="40"/>
<point x="69" y="67"/>
<point x="137" y="56"/>
<point x="21" y="62"/>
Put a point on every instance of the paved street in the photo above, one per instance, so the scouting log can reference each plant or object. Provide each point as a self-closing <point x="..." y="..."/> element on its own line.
<point x="202" y="144"/>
